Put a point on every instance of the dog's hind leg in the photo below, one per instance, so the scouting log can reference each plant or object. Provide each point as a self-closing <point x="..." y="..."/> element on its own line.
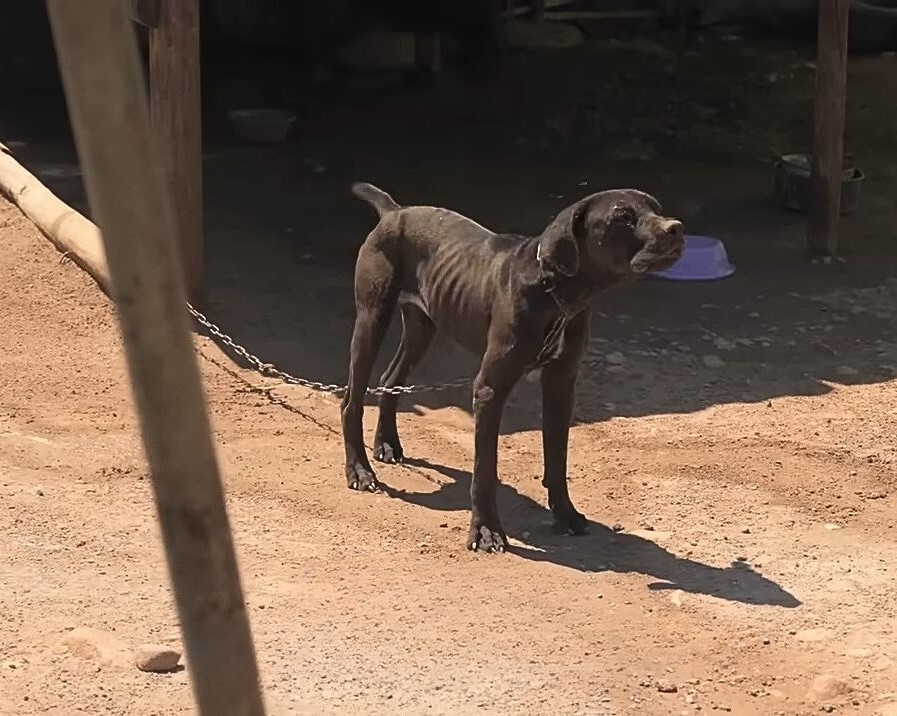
<point x="375" y="300"/>
<point x="417" y="335"/>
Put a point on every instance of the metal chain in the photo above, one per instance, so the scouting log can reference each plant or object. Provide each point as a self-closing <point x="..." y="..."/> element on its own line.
<point x="270" y="370"/>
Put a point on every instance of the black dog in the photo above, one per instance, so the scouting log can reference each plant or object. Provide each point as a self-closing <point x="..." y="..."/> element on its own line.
<point x="520" y="303"/>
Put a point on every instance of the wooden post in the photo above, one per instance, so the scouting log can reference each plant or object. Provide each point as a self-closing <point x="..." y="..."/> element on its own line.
<point x="176" y="110"/>
<point x="427" y="53"/>
<point x="828" y="130"/>
<point x="129" y="196"/>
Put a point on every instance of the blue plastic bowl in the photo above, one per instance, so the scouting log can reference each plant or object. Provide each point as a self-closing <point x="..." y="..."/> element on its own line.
<point x="704" y="259"/>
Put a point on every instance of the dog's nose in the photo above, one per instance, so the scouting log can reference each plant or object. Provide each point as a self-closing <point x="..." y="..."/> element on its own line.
<point x="674" y="230"/>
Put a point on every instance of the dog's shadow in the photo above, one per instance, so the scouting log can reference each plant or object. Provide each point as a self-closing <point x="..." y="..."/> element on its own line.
<point x="602" y="549"/>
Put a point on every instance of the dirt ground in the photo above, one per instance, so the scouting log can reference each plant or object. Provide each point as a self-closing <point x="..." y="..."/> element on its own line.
<point x="733" y="446"/>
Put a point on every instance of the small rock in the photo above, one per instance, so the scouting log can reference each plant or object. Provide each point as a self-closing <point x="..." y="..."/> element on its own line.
<point x="723" y="344"/>
<point x="812" y="635"/>
<point x="156" y="658"/>
<point x="666" y="687"/>
<point x="831" y="527"/>
<point x="745" y="530"/>
<point x="615" y="358"/>
<point x="847" y="370"/>
<point x="617" y="527"/>
<point x="827" y="687"/>
<point x="676" y="597"/>
<point x="96" y="645"/>
<point x="712" y="361"/>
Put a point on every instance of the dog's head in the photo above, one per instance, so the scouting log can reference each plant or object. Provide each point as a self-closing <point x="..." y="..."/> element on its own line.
<point x="613" y="233"/>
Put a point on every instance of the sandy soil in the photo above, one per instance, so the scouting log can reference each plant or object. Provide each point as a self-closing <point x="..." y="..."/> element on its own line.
<point x="756" y="553"/>
<point x="737" y="457"/>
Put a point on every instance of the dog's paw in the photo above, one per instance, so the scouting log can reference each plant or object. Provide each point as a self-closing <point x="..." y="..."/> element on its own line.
<point x="486" y="539"/>
<point x="569" y="521"/>
<point x="389" y="452"/>
<point x="361" y="479"/>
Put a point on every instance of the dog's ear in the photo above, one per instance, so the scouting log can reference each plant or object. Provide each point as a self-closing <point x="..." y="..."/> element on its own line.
<point x="559" y="243"/>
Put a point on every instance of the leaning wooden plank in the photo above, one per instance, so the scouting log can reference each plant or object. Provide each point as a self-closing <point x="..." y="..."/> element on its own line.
<point x="100" y="69"/>
<point x="68" y="230"/>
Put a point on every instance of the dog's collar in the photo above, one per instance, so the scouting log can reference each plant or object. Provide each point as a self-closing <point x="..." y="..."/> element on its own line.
<point x="549" y="281"/>
<point x="568" y="310"/>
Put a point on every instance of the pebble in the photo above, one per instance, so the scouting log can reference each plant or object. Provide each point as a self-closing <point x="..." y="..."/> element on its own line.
<point x="723" y="344"/>
<point x="712" y="361"/>
<point x="810" y="635"/>
<point x="666" y="687"/>
<point x="615" y="358"/>
<point x="827" y="687"/>
<point x="156" y="658"/>
<point x="96" y="645"/>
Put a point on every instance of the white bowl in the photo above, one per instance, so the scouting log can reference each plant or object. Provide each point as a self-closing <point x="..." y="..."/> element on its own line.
<point x="265" y="126"/>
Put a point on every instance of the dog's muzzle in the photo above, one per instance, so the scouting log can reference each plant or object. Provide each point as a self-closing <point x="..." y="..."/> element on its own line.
<point x="663" y="250"/>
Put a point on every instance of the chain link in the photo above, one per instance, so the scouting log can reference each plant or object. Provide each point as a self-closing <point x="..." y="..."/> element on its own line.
<point x="270" y="370"/>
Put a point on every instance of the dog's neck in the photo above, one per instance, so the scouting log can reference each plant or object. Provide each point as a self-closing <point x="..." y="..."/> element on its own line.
<point x="570" y="298"/>
<point x="569" y="293"/>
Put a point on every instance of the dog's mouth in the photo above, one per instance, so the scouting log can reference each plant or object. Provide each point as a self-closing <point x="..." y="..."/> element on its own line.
<point x="655" y="258"/>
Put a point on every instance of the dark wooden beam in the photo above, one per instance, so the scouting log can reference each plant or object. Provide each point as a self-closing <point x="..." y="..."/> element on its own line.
<point x="427" y="52"/>
<point x="828" y="130"/>
<point x="177" y="119"/>
<point x="145" y="12"/>
<point x="537" y="10"/>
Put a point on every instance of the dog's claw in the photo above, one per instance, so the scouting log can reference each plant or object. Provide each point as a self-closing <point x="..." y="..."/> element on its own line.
<point x="388" y="454"/>
<point x="363" y="480"/>
<point x="570" y="521"/>
<point x="486" y="539"/>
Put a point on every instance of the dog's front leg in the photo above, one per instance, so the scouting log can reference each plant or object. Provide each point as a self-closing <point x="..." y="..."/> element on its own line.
<point x="558" y="398"/>
<point x="499" y="372"/>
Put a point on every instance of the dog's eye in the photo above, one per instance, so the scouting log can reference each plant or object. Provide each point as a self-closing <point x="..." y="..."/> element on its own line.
<point x="624" y="215"/>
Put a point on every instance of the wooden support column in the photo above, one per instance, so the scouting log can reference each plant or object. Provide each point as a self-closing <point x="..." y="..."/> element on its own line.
<point x="130" y="199"/>
<point x="427" y="53"/>
<point x="177" y="119"/>
<point x="828" y="128"/>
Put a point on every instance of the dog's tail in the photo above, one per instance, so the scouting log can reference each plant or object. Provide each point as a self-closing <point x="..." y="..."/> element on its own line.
<point x="379" y="199"/>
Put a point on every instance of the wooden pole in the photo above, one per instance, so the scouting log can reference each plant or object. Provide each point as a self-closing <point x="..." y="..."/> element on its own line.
<point x="175" y="104"/>
<point x="828" y="129"/>
<point x="129" y="197"/>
